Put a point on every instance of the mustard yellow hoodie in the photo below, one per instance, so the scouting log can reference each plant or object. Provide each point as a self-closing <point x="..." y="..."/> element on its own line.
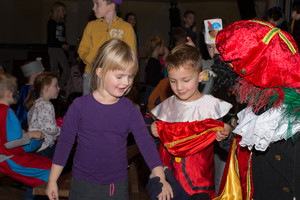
<point x="97" y="32"/>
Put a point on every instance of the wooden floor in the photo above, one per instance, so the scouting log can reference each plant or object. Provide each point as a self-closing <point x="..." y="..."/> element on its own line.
<point x="9" y="190"/>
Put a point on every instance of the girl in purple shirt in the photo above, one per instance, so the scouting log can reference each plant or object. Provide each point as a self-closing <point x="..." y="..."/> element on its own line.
<point x="101" y="121"/>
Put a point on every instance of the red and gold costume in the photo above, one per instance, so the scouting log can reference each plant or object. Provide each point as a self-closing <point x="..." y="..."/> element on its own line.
<point x="263" y="161"/>
<point x="187" y="131"/>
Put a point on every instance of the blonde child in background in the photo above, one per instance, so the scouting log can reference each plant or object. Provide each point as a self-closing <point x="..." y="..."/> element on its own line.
<point x="101" y="121"/>
<point x="57" y="43"/>
<point x="192" y="165"/>
<point x="105" y="27"/>
<point x="41" y="114"/>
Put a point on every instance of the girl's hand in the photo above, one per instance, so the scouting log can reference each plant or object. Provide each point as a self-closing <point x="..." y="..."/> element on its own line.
<point x="52" y="191"/>
<point x="154" y="129"/>
<point x="167" y="192"/>
<point x="37" y="135"/>
<point x="222" y="135"/>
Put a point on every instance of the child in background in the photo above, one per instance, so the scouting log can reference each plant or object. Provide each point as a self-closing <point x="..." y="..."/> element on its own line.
<point x="192" y="167"/>
<point x="132" y="19"/>
<point x="154" y="69"/>
<point x="276" y="17"/>
<point x="41" y="114"/>
<point x="189" y="25"/>
<point x="211" y="28"/>
<point x="295" y="24"/>
<point x="163" y="90"/>
<point x="73" y="87"/>
<point x="30" y="70"/>
<point x="101" y="121"/>
<point x="105" y="27"/>
<point x="15" y="159"/>
<point x="57" y="43"/>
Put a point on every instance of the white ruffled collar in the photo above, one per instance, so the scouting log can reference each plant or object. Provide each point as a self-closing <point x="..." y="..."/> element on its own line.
<point x="173" y="110"/>
<point x="259" y="131"/>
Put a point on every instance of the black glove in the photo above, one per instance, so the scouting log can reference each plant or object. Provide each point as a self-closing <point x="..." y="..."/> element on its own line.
<point x="154" y="187"/>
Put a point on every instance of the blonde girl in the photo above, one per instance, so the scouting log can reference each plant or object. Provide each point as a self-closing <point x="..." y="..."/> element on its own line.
<point x="41" y="114"/>
<point x="57" y="43"/>
<point x="101" y="121"/>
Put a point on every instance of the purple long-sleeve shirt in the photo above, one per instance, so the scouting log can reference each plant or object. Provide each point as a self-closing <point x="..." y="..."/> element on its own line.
<point x="102" y="132"/>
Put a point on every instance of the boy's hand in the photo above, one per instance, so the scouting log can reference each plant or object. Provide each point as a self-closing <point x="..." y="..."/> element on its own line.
<point x="222" y="135"/>
<point x="154" y="129"/>
<point x="37" y="135"/>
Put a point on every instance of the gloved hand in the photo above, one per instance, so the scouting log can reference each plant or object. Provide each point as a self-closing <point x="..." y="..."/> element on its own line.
<point x="154" y="187"/>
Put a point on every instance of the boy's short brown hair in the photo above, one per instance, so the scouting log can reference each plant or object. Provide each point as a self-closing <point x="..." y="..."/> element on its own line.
<point x="184" y="55"/>
<point x="8" y="82"/>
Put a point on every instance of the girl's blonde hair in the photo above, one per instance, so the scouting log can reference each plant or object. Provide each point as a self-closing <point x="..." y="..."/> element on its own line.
<point x="42" y="80"/>
<point x="184" y="56"/>
<point x="153" y="43"/>
<point x="113" y="55"/>
<point x="8" y="82"/>
<point x="54" y="11"/>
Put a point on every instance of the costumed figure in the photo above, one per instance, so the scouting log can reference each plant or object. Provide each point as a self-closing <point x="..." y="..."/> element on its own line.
<point x="263" y="64"/>
<point x="189" y="126"/>
<point x="15" y="159"/>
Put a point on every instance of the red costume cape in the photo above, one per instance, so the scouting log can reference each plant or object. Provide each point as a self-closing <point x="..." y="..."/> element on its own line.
<point x="192" y="144"/>
<point x="28" y="168"/>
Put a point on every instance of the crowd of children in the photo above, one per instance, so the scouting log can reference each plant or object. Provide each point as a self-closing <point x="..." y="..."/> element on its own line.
<point x="195" y="129"/>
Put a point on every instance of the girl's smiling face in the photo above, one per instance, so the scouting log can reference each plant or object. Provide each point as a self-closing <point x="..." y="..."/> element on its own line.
<point x="115" y="83"/>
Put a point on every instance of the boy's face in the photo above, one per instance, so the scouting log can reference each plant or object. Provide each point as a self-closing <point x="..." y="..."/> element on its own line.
<point x="12" y="97"/>
<point x="189" y="20"/>
<point x="184" y="83"/>
<point x="131" y="20"/>
<point x="101" y="8"/>
<point x="212" y="50"/>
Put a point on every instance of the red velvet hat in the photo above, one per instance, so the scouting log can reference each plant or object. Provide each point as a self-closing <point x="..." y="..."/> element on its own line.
<point x="260" y="53"/>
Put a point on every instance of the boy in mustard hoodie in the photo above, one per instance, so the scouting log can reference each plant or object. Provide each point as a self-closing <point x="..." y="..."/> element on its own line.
<point x="107" y="26"/>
